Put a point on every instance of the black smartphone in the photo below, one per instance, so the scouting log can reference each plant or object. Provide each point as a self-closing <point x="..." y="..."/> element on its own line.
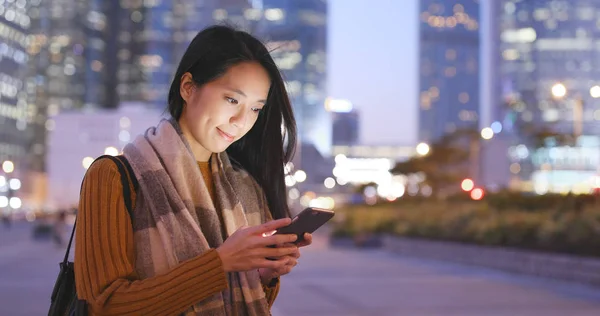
<point x="308" y="221"/>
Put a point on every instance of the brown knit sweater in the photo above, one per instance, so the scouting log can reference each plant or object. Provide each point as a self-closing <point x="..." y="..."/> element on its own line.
<point x="105" y="258"/>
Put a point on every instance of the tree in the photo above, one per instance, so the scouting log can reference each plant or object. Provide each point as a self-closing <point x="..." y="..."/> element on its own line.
<point x="446" y="164"/>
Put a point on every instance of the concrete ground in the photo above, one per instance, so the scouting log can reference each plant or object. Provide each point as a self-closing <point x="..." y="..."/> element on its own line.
<point x="333" y="282"/>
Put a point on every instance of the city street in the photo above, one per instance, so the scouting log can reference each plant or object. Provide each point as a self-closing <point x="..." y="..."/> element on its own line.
<point x="332" y="282"/>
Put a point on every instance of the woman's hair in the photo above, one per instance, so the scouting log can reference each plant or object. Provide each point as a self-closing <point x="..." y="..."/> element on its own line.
<point x="261" y="151"/>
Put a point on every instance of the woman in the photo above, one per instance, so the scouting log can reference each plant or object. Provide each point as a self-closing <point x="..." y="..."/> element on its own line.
<point x="211" y="181"/>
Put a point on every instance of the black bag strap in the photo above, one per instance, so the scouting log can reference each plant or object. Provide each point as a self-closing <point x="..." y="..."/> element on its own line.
<point x="126" y="173"/>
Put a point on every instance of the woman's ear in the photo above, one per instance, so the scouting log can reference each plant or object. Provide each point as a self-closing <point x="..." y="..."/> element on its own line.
<point x="186" y="86"/>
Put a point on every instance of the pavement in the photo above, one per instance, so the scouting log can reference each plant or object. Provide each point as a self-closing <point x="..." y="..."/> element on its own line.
<point x="332" y="282"/>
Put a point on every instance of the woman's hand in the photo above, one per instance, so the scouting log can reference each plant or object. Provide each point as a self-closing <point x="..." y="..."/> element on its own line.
<point x="289" y="261"/>
<point x="246" y="249"/>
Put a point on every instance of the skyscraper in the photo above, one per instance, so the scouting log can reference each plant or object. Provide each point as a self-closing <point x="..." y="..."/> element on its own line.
<point x="547" y="70"/>
<point x="449" y="67"/>
<point x="548" y="64"/>
<point x="345" y="122"/>
<point x="297" y="34"/>
<point x="18" y="113"/>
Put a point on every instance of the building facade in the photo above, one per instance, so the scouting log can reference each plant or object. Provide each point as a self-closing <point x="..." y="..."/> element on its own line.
<point x="449" y="67"/>
<point x="547" y="72"/>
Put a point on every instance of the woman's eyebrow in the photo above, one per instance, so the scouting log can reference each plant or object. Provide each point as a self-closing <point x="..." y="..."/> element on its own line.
<point x="240" y="92"/>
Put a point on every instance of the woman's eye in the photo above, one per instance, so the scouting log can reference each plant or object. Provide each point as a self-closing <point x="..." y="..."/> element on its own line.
<point x="231" y="100"/>
<point x="256" y="110"/>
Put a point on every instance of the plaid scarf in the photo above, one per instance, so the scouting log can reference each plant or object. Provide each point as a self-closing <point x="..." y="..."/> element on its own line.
<point x="175" y="218"/>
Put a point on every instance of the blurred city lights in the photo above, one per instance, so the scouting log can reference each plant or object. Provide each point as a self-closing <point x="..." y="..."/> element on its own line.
<point x="487" y="133"/>
<point x="15" y="184"/>
<point x="338" y="106"/>
<point x="111" y="151"/>
<point x="15" y="203"/>
<point x="87" y="162"/>
<point x="370" y="192"/>
<point x="522" y="151"/>
<point x="30" y="216"/>
<point x="2" y="181"/>
<point x="311" y="194"/>
<point x="337" y="171"/>
<point x="340" y="158"/>
<point x="290" y="181"/>
<point x="124" y="122"/>
<point x="300" y="176"/>
<point x="8" y="166"/>
<point x="559" y="90"/>
<point x="596" y="182"/>
<point x="477" y="194"/>
<point x="305" y="200"/>
<point x="496" y="127"/>
<point x="124" y="136"/>
<point x="467" y="185"/>
<point x="383" y="190"/>
<point x="422" y="149"/>
<point x="515" y="168"/>
<point x="329" y="183"/>
<point x="413" y="189"/>
<point x="294" y="194"/>
<point x="426" y="191"/>
<point x="3" y="201"/>
<point x="288" y="167"/>
<point x="398" y="189"/>
<point x="322" y="202"/>
<point x="595" y="92"/>
<point x="342" y="181"/>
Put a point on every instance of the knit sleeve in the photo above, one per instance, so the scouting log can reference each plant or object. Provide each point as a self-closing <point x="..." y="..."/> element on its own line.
<point x="105" y="258"/>
<point x="271" y="293"/>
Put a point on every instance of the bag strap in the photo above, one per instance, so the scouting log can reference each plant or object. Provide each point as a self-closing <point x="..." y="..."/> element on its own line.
<point x="126" y="173"/>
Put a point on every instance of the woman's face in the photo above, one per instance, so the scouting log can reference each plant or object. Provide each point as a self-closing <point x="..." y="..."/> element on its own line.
<point x="222" y="111"/>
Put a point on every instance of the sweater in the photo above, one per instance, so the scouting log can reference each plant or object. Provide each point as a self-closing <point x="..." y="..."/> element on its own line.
<point x="104" y="262"/>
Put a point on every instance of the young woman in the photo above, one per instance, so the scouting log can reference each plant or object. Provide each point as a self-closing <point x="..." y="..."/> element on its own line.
<point x="211" y="190"/>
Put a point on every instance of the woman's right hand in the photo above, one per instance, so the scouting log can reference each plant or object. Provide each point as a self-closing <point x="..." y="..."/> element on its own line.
<point x="246" y="249"/>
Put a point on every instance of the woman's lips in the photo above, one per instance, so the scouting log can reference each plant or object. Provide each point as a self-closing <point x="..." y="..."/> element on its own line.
<point x="227" y="136"/>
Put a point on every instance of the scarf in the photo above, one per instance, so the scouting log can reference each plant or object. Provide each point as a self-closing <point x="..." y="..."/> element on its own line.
<point x="175" y="218"/>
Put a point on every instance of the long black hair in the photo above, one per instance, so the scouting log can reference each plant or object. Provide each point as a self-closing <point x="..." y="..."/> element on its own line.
<point x="261" y="151"/>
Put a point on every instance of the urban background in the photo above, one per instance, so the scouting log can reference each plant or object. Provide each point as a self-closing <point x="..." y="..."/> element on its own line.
<point x="454" y="121"/>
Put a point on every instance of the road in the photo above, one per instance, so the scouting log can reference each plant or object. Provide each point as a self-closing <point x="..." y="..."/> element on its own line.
<point x="332" y="282"/>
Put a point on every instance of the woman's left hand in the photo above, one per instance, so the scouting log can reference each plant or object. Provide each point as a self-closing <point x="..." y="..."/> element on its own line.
<point x="266" y="275"/>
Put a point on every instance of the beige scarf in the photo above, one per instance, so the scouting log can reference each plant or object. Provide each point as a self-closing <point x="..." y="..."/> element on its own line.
<point x="175" y="218"/>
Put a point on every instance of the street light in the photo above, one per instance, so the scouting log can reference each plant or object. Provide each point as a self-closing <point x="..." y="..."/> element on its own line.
<point x="87" y="162"/>
<point x="329" y="183"/>
<point x="422" y="149"/>
<point x="467" y="185"/>
<point x="559" y="90"/>
<point x="595" y="92"/>
<point x="487" y="133"/>
<point x="112" y="151"/>
<point x="10" y="186"/>
<point x="300" y="176"/>
<point x="15" y="203"/>
<point x="14" y="184"/>
<point x="477" y="194"/>
<point x="8" y="166"/>
<point x="3" y="201"/>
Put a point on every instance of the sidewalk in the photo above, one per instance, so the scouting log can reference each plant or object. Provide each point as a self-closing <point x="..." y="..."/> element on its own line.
<point x="333" y="282"/>
<point x="352" y="282"/>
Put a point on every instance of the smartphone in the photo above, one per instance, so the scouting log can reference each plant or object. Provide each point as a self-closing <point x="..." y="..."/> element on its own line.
<point x="308" y="221"/>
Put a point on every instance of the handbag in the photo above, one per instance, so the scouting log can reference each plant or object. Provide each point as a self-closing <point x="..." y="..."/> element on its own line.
<point x="64" y="300"/>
